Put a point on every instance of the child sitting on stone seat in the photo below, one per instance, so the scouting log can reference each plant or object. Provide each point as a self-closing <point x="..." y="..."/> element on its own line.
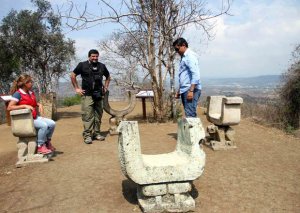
<point x="23" y="97"/>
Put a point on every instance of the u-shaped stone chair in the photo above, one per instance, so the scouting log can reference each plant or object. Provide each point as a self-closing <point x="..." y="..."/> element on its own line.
<point x="163" y="180"/>
<point x="223" y="112"/>
<point x="23" y="128"/>
<point x="118" y="115"/>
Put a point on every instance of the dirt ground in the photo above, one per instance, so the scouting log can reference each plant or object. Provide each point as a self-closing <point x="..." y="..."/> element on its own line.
<point x="261" y="175"/>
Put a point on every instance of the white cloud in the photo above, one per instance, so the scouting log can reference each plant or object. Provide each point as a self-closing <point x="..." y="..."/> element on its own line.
<point x="257" y="40"/>
<point x="83" y="45"/>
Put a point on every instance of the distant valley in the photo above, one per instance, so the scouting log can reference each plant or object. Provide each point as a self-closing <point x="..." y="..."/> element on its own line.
<point x="260" y="87"/>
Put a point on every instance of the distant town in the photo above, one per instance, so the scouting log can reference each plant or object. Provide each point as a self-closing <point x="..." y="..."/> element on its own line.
<point x="251" y="89"/>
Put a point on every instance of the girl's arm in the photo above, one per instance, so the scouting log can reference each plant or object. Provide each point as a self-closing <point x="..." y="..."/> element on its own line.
<point x="41" y="109"/>
<point x="13" y="106"/>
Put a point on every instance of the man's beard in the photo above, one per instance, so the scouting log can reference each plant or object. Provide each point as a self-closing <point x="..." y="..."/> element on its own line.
<point x="94" y="62"/>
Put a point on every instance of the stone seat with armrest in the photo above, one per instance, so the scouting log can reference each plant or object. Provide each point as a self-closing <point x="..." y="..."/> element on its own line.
<point x="163" y="180"/>
<point x="23" y="128"/>
<point x="223" y="112"/>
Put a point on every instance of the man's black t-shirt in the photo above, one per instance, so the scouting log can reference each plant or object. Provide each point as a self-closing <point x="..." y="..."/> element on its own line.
<point x="91" y="76"/>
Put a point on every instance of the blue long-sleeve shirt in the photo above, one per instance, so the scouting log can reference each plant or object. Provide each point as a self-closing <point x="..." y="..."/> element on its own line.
<point x="189" y="72"/>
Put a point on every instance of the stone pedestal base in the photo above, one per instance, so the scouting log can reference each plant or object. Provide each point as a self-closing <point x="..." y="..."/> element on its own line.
<point x="221" y="145"/>
<point x="114" y="122"/>
<point x="26" y="152"/>
<point x="221" y="137"/>
<point x="36" y="158"/>
<point x="177" y="199"/>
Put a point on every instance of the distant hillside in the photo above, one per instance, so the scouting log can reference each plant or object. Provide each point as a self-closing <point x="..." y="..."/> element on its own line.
<point x="254" y="89"/>
<point x="260" y="86"/>
<point x="66" y="89"/>
<point x="258" y="81"/>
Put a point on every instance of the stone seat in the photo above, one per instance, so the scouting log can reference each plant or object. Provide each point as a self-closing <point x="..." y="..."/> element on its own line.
<point x="118" y="115"/>
<point x="223" y="112"/>
<point x="23" y="128"/>
<point x="215" y="116"/>
<point x="164" y="175"/>
<point x="186" y="163"/>
<point x="165" y="160"/>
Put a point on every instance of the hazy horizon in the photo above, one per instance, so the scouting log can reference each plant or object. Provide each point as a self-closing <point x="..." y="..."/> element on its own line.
<point x="257" y="38"/>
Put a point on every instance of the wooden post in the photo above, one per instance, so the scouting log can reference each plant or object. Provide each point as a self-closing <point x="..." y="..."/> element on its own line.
<point x="7" y="114"/>
<point x="144" y="107"/>
<point x="143" y="94"/>
<point x="6" y="99"/>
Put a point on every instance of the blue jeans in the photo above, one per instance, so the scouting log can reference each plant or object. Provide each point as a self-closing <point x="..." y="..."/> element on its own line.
<point x="190" y="107"/>
<point x="45" y="128"/>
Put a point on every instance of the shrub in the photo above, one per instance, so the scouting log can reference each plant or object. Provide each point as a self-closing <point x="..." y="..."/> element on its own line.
<point x="70" y="101"/>
<point x="290" y="92"/>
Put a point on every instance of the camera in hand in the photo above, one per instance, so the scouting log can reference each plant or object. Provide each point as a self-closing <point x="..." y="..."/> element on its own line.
<point x="97" y="86"/>
<point x="97" y="83"/>
<point x="97" y="94"/>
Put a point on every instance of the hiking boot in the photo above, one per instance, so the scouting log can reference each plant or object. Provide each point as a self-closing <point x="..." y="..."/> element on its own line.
<point x="43" y="150"/>
<point x="88" y="140"/>
<point x="99" y="137"/>
<point x="50" y="146"/>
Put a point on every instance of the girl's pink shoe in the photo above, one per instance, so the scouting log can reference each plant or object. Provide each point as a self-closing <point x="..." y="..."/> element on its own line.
<point x="43" y="150"/>
<point x="50" y="146"/>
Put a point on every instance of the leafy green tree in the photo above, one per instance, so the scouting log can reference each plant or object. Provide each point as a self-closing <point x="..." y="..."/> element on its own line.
<point x="290" y="92"/>
<point x="36" y="39"/>
<point x="9" y="65"/>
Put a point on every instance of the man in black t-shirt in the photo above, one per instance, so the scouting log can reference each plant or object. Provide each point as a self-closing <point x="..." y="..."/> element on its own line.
<point x="91" y="92"/>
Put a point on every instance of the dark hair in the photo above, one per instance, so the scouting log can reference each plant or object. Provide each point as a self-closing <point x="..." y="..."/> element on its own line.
<point x="93" y="51"/>
<point x="180" y="42"/>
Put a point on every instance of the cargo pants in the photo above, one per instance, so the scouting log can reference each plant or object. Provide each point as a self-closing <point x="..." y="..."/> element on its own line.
<point x="92" y="111"/>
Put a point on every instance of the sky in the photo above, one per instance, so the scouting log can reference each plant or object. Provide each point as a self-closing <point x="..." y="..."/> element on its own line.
<point x="257" y="38"/>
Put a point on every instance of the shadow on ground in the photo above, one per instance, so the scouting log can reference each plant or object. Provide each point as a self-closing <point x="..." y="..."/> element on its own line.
<point x="129" y="189"/>
<point x="66" y="115"/>
<point x="173" y="135"/>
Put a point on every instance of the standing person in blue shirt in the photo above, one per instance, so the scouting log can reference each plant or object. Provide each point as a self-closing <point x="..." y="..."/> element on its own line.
<point x="189" y="78"/>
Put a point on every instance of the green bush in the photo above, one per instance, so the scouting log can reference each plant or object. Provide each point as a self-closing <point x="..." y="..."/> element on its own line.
<point x="70" y="101"/>
<point x="290" y="92"/>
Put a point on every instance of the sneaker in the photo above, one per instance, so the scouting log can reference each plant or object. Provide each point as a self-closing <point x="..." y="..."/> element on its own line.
<point x="50" y="146"/>
<point x="43" y="150"/>
<point x="99" y="137"/>
<point x="88" y="140"/>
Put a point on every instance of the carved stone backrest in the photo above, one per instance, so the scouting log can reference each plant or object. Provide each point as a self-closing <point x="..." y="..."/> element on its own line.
<point x="231" y="110"/>
<point x="190" y="132"/>
<point x="22" y="123"/>
<point x="129" y="146"/>
<point x="214" y="108"/>
<point x="119" y="113"/>
<point x="223" y="110"/>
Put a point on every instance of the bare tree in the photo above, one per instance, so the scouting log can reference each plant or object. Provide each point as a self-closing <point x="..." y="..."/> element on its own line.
<point x="150" y="27"/>
<point x="121" y="56"/>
